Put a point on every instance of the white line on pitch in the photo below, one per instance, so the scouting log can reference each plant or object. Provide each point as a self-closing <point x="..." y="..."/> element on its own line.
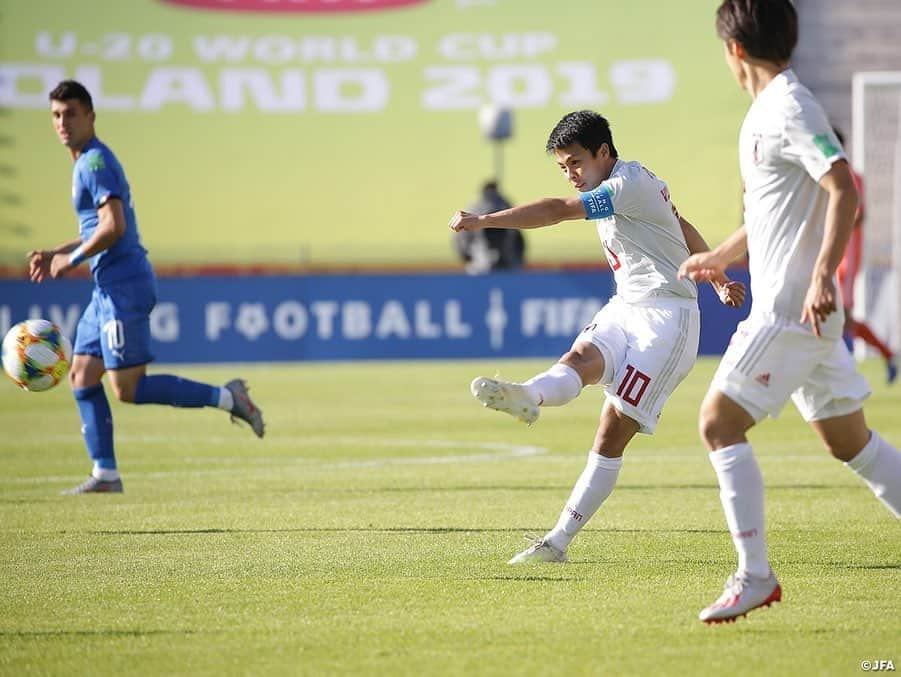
<point x="502" y="451"/>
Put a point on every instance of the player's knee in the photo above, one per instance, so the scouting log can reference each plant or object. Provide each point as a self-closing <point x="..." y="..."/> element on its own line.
<point x="78" y="377"/>
<point x="123" y="392"/>
<point x="713" y="430"/>
<point x="843" y="451"/>
<point x="589" y="365"/>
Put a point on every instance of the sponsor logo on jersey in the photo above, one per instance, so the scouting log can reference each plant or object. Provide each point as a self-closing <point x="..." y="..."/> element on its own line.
<point x="763" y="379"/>
<point x="298" y="6"/>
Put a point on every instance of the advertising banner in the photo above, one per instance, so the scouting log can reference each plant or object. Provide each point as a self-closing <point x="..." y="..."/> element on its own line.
<point x="365" y="317"/>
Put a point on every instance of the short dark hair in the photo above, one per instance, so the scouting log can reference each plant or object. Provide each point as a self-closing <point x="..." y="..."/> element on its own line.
<point x="70" y="89"/>
<point x="766" y="29"/>
<point x="584" y="127"/>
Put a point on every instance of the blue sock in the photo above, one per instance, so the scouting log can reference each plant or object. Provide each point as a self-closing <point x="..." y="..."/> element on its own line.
<point x="96" y="425"/>
<point x="176" y="392"/>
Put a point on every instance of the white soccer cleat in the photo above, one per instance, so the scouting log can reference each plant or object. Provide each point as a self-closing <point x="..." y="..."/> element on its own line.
<point x="510" y="398"/>
<point x="539" y="551"/>
<point x="743" y="593"/>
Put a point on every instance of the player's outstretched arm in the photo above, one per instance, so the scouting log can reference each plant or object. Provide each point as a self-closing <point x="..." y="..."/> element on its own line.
<point x="730" y="292"/>
<point x="110" y="227"/>
<point x="537" y="214"/>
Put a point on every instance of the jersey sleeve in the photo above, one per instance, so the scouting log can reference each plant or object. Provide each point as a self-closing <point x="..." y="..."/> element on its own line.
<point x="808" y="140"/>
<point x="99" y="178"/>
<point x="615" y="195"/>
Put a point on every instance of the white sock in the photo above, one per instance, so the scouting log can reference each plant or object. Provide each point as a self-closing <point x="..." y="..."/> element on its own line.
<point x="105" y="474"/>
<point x="592" y="488"/>
<point x="556" y="386"/>
<point x="741" y="493"/>
<point x="226" y="399"/>
<point x="879" y="465"/>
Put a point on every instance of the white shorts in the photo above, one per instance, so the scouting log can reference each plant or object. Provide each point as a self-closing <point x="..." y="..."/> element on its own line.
<point x="771" y="359"/>
<point x="648" y="349"/>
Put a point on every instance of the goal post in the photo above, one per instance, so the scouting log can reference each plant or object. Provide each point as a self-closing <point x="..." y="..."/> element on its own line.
<point x="876" y="120"/>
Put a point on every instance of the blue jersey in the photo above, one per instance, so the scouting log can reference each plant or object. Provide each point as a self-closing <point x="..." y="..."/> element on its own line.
<point x="96" y="178"/>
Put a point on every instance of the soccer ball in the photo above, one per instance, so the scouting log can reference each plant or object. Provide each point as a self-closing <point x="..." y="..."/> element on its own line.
<point x="36" y="354"/>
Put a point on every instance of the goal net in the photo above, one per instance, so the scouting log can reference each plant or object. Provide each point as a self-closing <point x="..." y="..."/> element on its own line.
<point x="876" y="112"/>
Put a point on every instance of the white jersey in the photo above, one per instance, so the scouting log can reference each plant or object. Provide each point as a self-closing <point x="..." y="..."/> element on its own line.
<point x="786" y="145"/>
<point x="639" y="229"/>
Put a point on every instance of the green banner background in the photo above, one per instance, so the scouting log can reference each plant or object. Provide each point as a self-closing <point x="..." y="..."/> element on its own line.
<point x="352" y="137"/>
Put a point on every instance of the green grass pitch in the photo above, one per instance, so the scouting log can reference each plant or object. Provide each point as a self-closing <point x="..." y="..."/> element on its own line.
<point x="368" y="534"/>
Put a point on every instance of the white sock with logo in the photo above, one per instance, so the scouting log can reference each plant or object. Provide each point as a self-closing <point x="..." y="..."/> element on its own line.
<point x="556" y="386"/>
<point x="741" y="493"/>
<point x="592" y="488"/>
<point x="879" y="465"/>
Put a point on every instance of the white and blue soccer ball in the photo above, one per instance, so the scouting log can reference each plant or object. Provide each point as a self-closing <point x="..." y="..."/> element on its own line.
<point x="36" y="355"/>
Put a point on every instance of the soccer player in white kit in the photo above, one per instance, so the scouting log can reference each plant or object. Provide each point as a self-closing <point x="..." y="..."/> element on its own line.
<point x="799" y="207"/>
<point x="642" y="343"/>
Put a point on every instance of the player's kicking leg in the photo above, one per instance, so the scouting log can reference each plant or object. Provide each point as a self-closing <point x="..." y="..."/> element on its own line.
<point x="555" y="387"/>
<point x="510" y="398"/>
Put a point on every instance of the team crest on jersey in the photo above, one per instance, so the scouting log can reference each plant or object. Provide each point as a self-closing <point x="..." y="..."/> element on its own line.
<point x="758" y="149"/>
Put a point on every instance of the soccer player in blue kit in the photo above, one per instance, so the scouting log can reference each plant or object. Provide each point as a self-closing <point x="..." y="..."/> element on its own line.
<point x="113" y="334"/>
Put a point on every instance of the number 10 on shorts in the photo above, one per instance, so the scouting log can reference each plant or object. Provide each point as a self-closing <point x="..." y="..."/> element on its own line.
<point x="633" y="385"/>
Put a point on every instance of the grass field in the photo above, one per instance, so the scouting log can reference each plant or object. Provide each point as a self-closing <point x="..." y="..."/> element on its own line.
<point x="368" y="534"/>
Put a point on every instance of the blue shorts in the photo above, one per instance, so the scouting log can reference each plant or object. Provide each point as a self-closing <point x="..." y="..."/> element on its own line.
<point x="116" y="324"/>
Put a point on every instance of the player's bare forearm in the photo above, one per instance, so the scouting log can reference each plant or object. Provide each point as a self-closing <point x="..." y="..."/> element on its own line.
<point x="695" y="241"/>
<point x="729" y="292"/>
<point x="734" y="246"/>
<point x="822" y="298"/>
<point x="711" y="265"/>
<point x="840" y="215"/>
<point x="40" y="260"/>
<point x="537" y="214"/>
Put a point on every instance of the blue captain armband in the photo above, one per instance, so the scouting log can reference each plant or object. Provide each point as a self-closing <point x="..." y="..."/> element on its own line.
<point x="598" y="203"/>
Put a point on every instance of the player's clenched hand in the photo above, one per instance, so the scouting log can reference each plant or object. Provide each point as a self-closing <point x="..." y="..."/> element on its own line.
<point x="39" y="264"/>
<point x="464" y="221"/>
<point x="819" y="303"/>
<point x="703" y="267"/>
<point x="731" y="293"/>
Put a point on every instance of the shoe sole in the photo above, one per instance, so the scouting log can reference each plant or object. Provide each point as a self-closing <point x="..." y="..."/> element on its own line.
<point x="491" y="394"/>
<point x="775" y="596"/>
